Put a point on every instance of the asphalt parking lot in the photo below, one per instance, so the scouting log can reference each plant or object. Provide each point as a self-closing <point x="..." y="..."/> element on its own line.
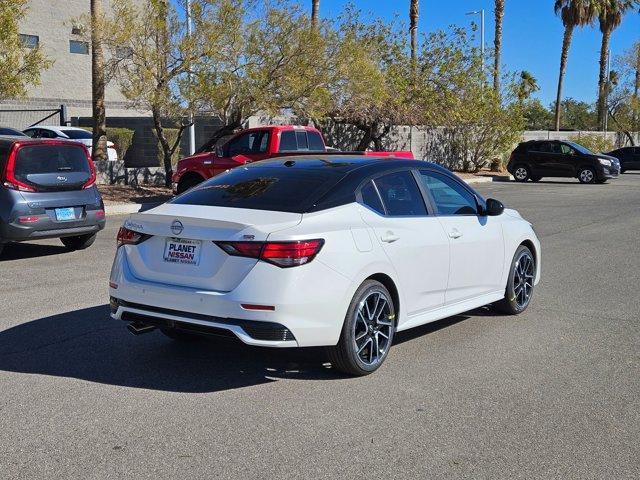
<point x="553" y="393"/>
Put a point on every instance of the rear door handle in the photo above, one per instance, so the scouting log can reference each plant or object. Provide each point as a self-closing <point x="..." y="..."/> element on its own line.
<point x="455" y="233"/>
<point x="389" y="237"/>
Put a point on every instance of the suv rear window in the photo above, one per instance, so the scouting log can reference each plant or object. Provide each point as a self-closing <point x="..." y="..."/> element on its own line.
<point x="281" y="189"/>
<point x="38" y="159"/>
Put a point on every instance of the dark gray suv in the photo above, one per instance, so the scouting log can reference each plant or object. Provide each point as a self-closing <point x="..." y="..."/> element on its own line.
<point x="48" y="190"/>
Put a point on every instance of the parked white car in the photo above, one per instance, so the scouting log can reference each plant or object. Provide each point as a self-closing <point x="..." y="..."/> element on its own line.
<point x="336" y="251"/>
<point x="75" y="134"/>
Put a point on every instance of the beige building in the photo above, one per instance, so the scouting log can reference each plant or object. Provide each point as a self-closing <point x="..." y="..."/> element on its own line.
<point x="49" y="24"/>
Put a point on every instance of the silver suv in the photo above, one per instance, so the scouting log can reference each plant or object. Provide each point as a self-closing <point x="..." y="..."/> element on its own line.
<point x="48" y="190"/>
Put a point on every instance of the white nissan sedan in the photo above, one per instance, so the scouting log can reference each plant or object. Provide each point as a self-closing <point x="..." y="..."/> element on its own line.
<point x="335" y="251"/>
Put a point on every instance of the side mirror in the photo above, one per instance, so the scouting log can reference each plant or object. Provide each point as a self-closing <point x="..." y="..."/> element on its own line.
<point x="494" y="208"/>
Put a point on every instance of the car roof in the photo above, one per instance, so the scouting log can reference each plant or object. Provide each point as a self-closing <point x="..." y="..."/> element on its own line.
<point x="278" y="128"/>
<point x="11" y="139"/>
<point x="55" y="128"/>
<point x="343" y="162"/>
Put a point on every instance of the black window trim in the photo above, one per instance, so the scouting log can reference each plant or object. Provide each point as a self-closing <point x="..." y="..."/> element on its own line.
<point x="371" y="178"/>
<point x="479" y="200"/>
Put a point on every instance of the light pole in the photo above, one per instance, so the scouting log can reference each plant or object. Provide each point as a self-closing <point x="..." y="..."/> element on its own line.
<point x="192" y="127"/>
<point x="481" y="13"/>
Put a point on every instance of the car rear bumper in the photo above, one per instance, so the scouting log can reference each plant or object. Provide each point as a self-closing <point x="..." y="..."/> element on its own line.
<point x="306" y="312"/>
<point x="46" y="227"/>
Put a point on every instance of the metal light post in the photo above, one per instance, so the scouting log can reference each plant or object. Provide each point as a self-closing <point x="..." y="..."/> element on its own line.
<point x="481" y="13"/>
<point x="192" y="127"/>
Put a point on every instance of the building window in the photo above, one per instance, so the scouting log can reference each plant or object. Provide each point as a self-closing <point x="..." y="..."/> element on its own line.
<point x="29" y="41"/>
<point x="76" y="46"/>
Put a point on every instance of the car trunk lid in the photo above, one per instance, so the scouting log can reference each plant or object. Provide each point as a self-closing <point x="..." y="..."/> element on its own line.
<point x="181" y="249"/>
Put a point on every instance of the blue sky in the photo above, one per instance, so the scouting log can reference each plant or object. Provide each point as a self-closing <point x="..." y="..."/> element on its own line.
<point x="532" y="37"/>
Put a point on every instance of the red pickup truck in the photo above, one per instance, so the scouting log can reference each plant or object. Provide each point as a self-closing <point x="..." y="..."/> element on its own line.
<point x="256" y="144"/>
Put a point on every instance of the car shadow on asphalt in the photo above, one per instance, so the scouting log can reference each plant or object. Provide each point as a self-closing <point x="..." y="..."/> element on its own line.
<point x="88" y="345"/>
<point x="17" y="251"/>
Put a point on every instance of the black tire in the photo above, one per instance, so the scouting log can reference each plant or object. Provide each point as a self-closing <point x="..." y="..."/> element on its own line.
<point x="622" y="171"/>
<point x="188" y="182"/>
<point x="79" y="242"/>
<point x="512" y="303"/>
<point x="180" y="335"/>
<point x="536" y="179"/>
<point x="350" y="357"/>
<point x="521" y="173"/>
<point x="587" y="175"/>
<point x="1" y="248"/>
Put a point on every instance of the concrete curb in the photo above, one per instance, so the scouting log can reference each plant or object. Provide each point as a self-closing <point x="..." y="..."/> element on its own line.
<point x="127" y="208"/>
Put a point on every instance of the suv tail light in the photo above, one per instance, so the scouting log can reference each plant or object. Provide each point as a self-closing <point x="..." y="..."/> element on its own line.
<point x="129" y="237"/>
<point x="9" y="179"/>
<point x="281" y="254"/>
<point x="92" y="169"/>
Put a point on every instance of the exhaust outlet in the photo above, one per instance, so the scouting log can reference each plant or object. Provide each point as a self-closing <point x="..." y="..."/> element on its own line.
<point x="138" y="328"/>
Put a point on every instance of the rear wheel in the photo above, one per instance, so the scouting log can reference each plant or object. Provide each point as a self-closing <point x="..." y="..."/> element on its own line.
<point x="79" y="242"/>
<point x="587" y="175"/>
<point x="521" y="173"/>
<point x="520" y="284"/>
<point x="367" y="332"/>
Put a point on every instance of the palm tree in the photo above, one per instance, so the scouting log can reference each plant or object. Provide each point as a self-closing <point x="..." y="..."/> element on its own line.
<point x="413" y="30"/>
<point x="99" y="148"/>
<point x="315" y="7"/>
<point x="610" y="16"/>
<point x="499" y="15"/>
<point x="574" y="13"/>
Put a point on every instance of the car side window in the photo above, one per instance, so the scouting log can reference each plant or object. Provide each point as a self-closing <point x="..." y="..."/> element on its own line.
<point x="371" y="199"/>
<point x="544" y="147"/>
<point x="32" y="132"/>
<point x="566" y="149"/>
<point x="401" y="195"/>
<point x="449" y="196"/>
<point x="254" y="142"/>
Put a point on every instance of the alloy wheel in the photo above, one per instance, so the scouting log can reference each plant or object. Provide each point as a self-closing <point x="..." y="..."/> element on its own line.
<point x="521" y="173"/>
<point x="586" y="176"/>
<point x="373" y="328"/>
<point x="524" y="271"/>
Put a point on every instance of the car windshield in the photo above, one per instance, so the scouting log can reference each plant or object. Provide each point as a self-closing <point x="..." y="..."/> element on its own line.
<point x="76" y="134"/>
<point x="281" y="189"/>
<point x="580" y="148"/>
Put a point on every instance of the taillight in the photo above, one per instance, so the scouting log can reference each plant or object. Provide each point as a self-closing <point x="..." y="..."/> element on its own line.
<point x="129" y="237"/>
<point x="92" y="169"/>
<point x="10" y="180"/>
<point x="282" y="254"/>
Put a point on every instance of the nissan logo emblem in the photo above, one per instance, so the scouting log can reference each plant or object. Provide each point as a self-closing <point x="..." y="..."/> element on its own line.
<point x="177" y="227"/>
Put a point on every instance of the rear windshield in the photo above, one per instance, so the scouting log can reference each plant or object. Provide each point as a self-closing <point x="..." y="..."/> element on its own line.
<point x="77" y="134"/>
<point x="282" y="189"/>
<point x="37" y="159"/>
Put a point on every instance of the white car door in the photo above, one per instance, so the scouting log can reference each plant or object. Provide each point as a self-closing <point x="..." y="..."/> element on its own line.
<point x="413" y="240"/>
<point x="477" y="242"/>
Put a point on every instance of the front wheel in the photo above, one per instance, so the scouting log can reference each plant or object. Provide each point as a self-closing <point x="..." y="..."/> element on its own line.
<point x="79" y="242"/>
<point x="367" y="332"/>
<point x="520" y="284"/>
<point x="587" y="175"/>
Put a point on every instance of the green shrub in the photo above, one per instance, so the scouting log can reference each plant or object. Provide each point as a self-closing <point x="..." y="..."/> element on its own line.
<point x="122" y="139"/>
<point x="596" y="142"/>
